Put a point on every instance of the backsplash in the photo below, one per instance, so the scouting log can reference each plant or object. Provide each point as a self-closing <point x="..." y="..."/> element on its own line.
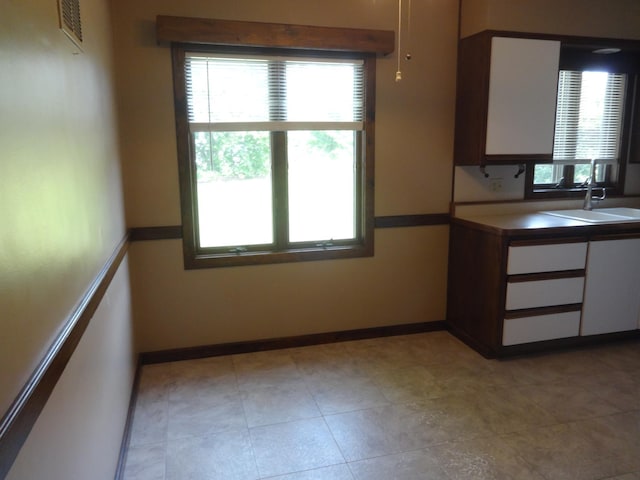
<point x="467" y="210"/>
<point x="502" y="193"/>
<point x="471" y="185"/>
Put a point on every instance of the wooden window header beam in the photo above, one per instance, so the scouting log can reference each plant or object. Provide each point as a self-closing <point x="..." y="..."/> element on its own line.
<point x="273" y="35"/>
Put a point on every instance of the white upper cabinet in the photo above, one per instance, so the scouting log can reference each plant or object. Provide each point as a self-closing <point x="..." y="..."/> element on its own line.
<point x="505" y="99"/>
<point x="523" y="85"/>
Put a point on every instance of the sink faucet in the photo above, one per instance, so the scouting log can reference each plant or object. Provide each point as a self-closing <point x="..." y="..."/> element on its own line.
<point x="589" y="198"/>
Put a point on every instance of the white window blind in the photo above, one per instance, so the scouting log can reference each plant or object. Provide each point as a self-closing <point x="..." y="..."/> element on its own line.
<point x="589" y="116"/>
<point x="228" y="93"/>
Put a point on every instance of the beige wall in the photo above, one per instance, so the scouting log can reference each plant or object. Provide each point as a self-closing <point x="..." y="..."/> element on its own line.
<point x="406" y="280"/>
<point x="62" y="210"/>
<point x="404" y="283"/>
<point x="61" y="214"/>
<point x="592" y="18"/>
<point x="177" y="308"/>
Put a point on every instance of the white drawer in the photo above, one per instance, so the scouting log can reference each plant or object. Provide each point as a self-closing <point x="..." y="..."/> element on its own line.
<point x="544" y="293"/>
<point x="543" y="327"/>
<point x="547" y="258"/>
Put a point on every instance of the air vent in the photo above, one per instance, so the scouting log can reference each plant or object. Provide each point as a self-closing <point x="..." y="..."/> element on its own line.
<point x="69" y="11"/>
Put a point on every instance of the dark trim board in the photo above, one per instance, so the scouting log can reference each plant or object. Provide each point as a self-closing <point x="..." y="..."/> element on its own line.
<point x="17" y="422"/>
<point x="174" y="232"/>
<point x="126" y="436"/>
<point x="568" y="343"/>
<point x="395" y="221"/>
<point x="205" y="351"/>
<point x="168" y="232"/>
<point x="272" y="35"/>
<point x="544" y="346"/>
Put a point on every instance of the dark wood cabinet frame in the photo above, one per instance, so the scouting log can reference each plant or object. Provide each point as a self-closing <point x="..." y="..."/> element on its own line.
<point x="477" y="283"/>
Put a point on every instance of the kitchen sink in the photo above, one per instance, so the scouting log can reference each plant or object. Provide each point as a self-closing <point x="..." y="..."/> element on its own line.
<point x="604" y="215"/>
<point x="622" y="211"/>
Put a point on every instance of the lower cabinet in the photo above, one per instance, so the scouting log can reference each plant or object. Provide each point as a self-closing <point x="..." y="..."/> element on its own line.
<point x="513" y="294"/>
<point x="544" y="289"/>
<point x="612" y="291"/>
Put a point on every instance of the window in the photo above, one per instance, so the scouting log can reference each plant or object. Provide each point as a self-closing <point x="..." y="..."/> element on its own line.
<point x="592" y="118"/>
<point x="589" y="117"/>
<point x="275" y="137"/>
<point x="276" y="155"/>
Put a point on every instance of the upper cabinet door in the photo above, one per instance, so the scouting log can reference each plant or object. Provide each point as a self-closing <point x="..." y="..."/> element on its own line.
<point x="522" y="96"/>
<point x="506" y="99"/>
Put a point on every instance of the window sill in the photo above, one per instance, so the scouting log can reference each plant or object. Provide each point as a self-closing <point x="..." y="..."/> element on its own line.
<point x="204" y="260"/>
<point x="573" y="192"/>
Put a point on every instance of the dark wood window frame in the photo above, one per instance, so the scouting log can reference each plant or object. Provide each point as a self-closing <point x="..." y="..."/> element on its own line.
<point x="187" y="34"/>
<point x="580" y="57"/>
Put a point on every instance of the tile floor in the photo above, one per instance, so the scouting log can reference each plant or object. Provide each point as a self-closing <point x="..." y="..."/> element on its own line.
<point x="419" y="406"/>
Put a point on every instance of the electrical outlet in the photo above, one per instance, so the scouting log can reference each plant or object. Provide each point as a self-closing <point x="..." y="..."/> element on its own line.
<point x="495" y="184"/>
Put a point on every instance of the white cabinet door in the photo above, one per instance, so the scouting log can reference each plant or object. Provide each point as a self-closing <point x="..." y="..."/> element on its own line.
<point x="522" y="96"/>
<point x="612" y="291"/>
